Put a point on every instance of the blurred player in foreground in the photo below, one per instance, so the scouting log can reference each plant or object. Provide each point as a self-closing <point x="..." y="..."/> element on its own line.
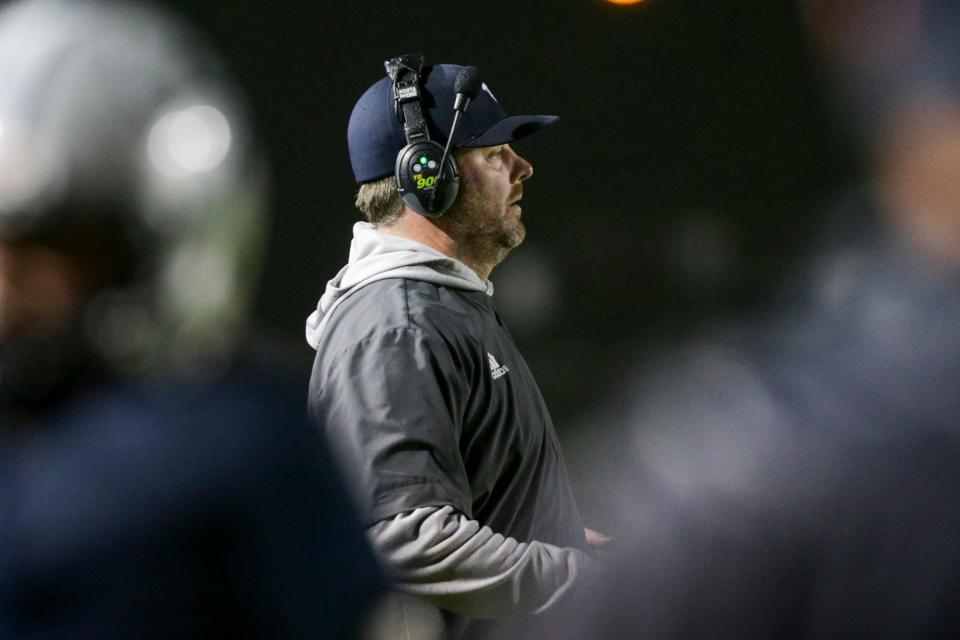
<point x="154" y="482"/>
<point x="798" y="475"/>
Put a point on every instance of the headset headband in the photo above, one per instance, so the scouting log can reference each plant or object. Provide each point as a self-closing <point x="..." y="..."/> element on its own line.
<point x="404" y="71"/>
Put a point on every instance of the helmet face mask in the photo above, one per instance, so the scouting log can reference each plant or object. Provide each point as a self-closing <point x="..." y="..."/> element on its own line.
<point x="114" y="117"/>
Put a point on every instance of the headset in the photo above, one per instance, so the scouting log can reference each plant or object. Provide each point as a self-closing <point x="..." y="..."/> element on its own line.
<point x="427" y="177"/>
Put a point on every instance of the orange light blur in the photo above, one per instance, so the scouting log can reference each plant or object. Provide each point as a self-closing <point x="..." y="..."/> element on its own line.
<point x="624" y="1"/>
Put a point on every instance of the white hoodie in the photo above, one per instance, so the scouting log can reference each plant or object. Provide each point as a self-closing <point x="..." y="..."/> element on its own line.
<point x="375" y="256"/>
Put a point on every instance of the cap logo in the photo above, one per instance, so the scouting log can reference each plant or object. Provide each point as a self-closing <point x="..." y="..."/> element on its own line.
<point x="489" y="93"/>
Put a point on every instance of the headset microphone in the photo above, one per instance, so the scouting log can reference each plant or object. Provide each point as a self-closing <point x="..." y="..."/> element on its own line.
<point x="466" y="87"/>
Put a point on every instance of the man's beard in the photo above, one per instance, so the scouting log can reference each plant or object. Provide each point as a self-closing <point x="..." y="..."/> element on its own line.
<point x="483" y="229"/>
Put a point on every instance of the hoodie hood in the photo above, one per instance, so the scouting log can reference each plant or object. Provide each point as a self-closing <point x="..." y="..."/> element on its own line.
<point x="376" y="256"/>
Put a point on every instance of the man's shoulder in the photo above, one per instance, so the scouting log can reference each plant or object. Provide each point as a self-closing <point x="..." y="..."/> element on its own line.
<point x="406" y="305"/>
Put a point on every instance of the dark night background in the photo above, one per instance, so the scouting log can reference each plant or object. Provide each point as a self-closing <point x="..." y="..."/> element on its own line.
<point x="681" y="183"/>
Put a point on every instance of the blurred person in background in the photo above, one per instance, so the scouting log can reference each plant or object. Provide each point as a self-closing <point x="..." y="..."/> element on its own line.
<point x="797" y="474"/>
<point x="155" y="481"/>
<point x="428" y="402"/>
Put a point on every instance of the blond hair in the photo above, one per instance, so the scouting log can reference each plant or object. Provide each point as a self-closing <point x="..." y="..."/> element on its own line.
<point x="379" y="201"/>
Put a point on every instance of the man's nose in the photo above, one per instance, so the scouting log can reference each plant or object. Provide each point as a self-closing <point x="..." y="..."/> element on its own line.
<point x="522" y="169"/>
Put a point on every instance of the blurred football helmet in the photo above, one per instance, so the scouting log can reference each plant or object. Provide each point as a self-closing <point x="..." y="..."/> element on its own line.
<point x="114" y="115"/>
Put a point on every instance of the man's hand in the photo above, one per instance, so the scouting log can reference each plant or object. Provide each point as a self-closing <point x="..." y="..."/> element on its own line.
<point x="595" y="540"/>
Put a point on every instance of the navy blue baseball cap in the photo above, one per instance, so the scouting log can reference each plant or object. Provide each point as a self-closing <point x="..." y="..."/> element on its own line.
<point x="375" y="134"/>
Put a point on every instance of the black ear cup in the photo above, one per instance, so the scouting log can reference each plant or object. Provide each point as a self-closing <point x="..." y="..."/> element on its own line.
<point x="426" y="174"/>
<point x="417" y="168"/>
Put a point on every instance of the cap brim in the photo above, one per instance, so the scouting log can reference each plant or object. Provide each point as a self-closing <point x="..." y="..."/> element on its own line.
<point x="509" y="129"/>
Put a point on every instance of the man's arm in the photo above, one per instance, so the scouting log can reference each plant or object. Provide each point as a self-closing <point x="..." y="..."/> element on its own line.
<point x="391" y="405"/>
<point x="456" y="563"/>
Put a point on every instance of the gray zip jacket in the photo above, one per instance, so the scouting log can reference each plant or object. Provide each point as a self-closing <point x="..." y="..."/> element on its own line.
<point x="441" y="428"/>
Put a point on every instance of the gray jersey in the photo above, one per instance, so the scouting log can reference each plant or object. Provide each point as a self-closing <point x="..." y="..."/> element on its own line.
<point x="428" y="402"/>
<point x="436" y="417"/>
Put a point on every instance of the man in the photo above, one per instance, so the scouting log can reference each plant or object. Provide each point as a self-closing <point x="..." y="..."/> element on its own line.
<point x="154" y="481"/>
<point x="798" y="475"/>
<point x="426" y="399"/>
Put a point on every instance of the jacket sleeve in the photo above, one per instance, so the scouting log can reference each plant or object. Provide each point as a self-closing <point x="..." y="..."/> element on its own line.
<point x="456" y="563"/>
<point x="391" y="406"/>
